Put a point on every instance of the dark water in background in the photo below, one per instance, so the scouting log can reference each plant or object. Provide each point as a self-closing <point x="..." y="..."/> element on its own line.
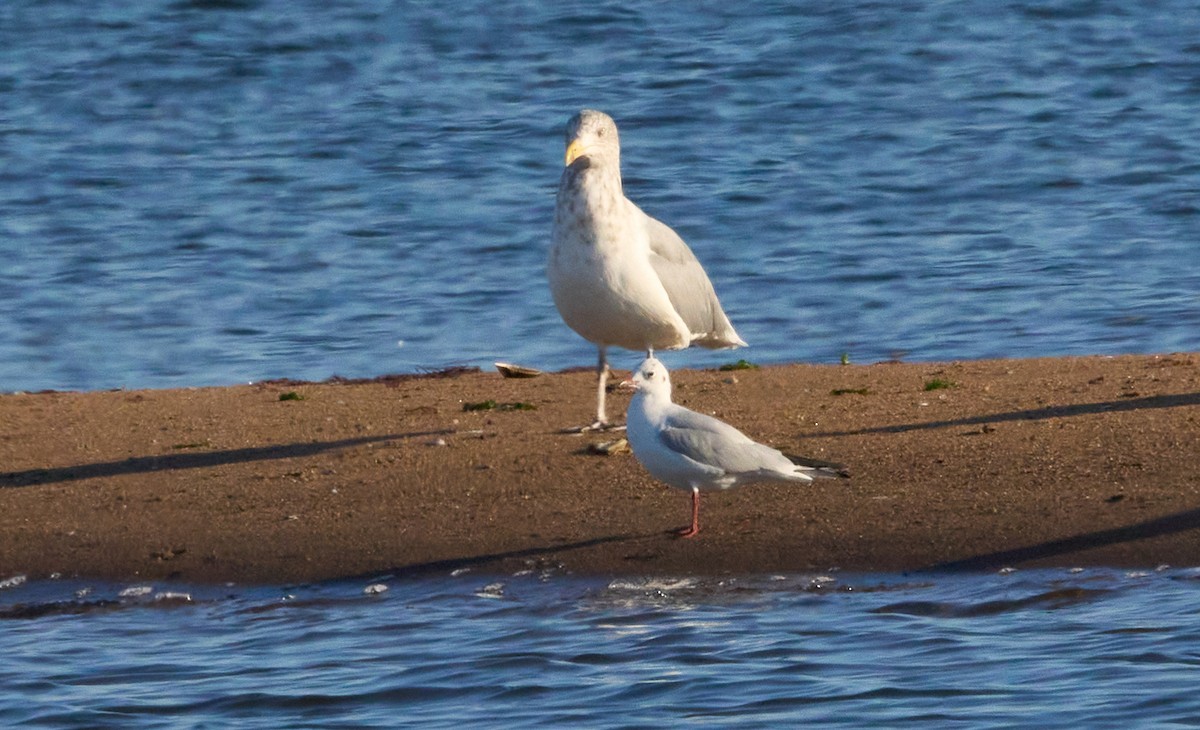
<point x="1046" y="649"/>
<point x="214" y="191"/>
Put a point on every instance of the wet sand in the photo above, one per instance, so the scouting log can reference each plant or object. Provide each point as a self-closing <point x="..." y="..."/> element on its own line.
<point x="1041" y="462"/>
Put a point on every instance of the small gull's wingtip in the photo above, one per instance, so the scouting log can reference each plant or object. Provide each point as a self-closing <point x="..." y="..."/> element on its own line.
<point x="820" y="467"/>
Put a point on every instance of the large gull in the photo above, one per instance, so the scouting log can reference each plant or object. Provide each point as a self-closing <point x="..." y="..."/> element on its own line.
<point x="618" y="276"/>
<point x="695" y="452"/>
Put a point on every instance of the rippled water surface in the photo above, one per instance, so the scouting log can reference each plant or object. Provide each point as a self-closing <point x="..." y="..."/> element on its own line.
<point x="213" y="191"/>
<point x="201" y="192"/>
<point x="1044" y="649"/>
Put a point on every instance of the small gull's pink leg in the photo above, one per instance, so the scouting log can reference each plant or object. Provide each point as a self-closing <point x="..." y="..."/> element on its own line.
<point x="695" y="528"/>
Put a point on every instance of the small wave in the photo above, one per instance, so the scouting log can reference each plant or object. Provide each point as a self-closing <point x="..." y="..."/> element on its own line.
<point x="659" y="585"/>
<point x="491" y="590"/>
<point x="12" y="582"/>
<point x="1054" y="599"/>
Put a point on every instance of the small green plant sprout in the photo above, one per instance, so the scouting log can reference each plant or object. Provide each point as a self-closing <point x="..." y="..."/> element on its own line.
<point x="845" y="358"/>
<point x="491" y="405"/>
<point x="739" y="365"/>
<point x="939" y="384"/>
<point x="850" y="391"/>
<point x="290" y="395"/>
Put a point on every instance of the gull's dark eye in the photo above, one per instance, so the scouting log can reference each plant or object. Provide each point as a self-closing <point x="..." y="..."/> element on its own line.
<point x="600" y="132"/>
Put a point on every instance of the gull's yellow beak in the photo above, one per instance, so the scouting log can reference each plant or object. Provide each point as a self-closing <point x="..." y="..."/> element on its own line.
<point x="574" y="150"/>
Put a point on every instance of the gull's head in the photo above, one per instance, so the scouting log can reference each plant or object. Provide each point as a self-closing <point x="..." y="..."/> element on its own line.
<point x="592" y="134"/>
<point x="652" y="378"/>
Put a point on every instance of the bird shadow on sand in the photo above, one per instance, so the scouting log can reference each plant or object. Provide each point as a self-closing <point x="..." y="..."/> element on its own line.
<point x="193" y="460"/>
<point x="1158" y="527"/>
<point x="1032" y="414"/>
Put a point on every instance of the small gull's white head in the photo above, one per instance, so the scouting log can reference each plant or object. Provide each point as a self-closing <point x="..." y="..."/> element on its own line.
<point x="652" y="378"/>
<point x="592" y="134"/>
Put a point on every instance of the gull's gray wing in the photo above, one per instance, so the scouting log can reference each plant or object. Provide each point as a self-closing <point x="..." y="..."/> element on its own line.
<point x="715" y="443"/>
<point x="688" y="287"/>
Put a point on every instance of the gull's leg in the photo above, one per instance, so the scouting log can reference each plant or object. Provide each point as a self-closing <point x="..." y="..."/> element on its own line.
<point x="602" y="382"/>
<point x="695" y="528"/>
<point x="601" y="423"/>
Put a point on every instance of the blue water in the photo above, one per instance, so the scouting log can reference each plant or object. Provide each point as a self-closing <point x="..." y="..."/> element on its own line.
<point x="1046" y="649"/>
<point x="200" y="192"/>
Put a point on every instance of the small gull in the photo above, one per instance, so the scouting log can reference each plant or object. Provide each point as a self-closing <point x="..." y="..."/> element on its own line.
<point x="689" y="450"/>
<point x="618" y="276"/>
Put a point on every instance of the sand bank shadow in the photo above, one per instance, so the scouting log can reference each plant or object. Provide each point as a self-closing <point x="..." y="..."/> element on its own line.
<point x="486" y="560"/>
<point x="1033" y="414"/>
<point x="193" y="460"/>
<point x="1158" y="527"/>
